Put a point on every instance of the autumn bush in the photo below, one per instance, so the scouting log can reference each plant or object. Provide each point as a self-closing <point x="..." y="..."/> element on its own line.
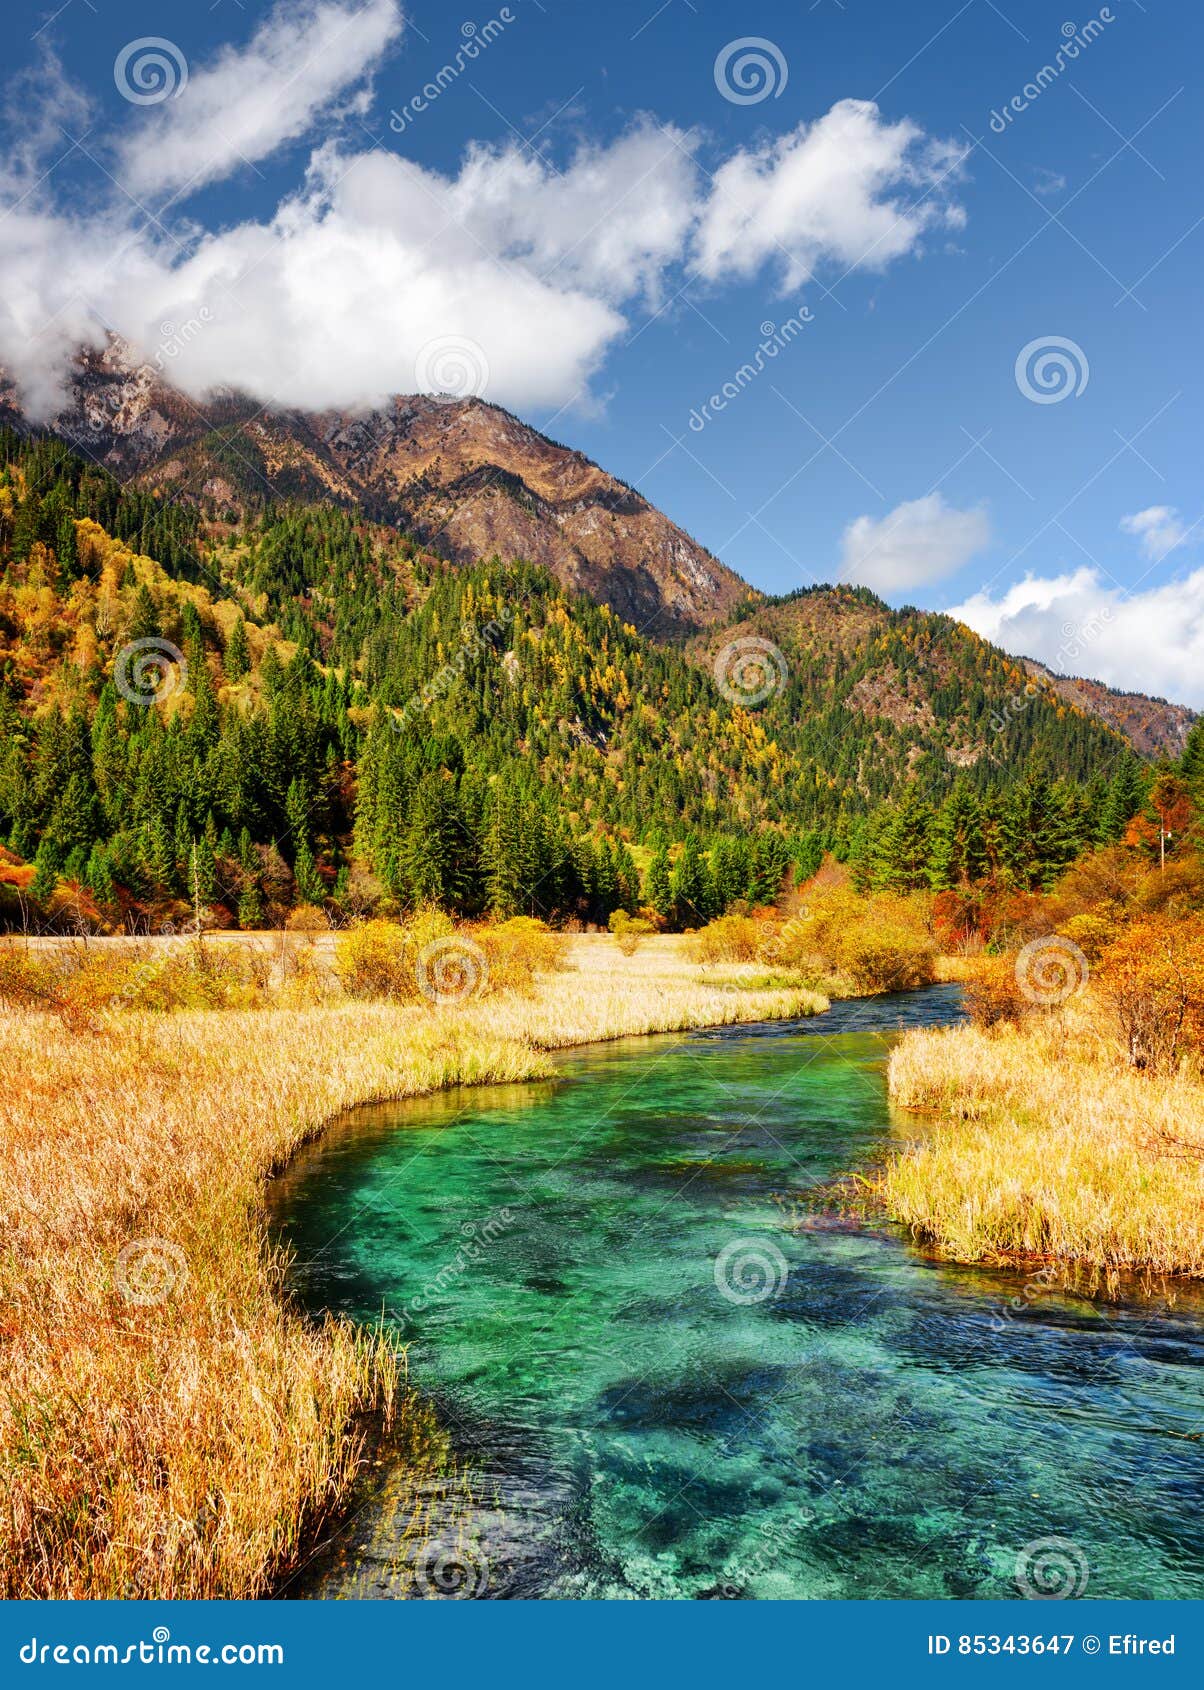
<point x="374" y="960"/>
<point x="629" y="930"/>
<point x="1152" y="980"/>
<point x="518" y="950"/>
<point x="878" y="943"/>
<point x="82" y="984"/>
<point x="993" y="996"/>
<point x="731" y="938"/>
<point x="307" y="918"/>
<point x="428" y="957"/>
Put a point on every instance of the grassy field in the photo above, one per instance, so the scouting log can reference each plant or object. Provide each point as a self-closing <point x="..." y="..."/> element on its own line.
<point x="168" y="1427"/>
<point x="1049" y="1146"/>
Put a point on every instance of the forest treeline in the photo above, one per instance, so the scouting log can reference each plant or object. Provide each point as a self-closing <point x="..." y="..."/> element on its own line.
<point x="305" y="708"/>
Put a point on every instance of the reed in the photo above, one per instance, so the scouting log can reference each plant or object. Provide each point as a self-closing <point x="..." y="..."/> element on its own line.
<point x="169" y="1426"/>
<point x="1049" y="1144"/>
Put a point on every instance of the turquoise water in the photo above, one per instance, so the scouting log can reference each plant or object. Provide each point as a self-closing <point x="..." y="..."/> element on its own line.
<point x="663" y="1379"/>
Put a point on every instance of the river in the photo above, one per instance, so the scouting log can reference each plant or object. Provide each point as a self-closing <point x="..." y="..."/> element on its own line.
<point x="663" y="1378"/>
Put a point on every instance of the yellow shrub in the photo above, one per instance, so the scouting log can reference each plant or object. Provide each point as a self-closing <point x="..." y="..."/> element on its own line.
<point x="307" y="918"/>
<point x="373" y="961"/>
<point x="629" y="930"/>
<point x="517" y="950"/>
<point x="729" y="938"/>
<point x="878" y="943"/>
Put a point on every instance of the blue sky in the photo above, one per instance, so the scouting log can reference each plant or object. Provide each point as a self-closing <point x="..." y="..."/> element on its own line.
<point x="624" y="236"/>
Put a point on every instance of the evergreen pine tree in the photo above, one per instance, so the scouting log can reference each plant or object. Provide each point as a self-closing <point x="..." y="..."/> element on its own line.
<point x="237" y="659"/>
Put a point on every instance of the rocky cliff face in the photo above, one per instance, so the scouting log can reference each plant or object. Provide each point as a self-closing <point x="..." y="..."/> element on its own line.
<point x="465" y="478"/>
<point x="1152" y="726"/>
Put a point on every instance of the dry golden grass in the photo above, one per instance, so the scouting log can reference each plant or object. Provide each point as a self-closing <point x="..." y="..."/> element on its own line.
<point x="168" y="1426"/>
<point x="1057" y="1148"/>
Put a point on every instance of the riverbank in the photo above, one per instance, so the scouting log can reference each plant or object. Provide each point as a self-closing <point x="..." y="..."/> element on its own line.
<point x="1050" y="1147"/>
<point x="169" y="1427"/>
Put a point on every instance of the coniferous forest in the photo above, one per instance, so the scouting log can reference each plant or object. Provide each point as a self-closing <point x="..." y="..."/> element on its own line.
<point x="296" y="706"/>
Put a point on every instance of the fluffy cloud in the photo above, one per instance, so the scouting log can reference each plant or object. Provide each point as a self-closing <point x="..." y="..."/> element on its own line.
<point x="253" y="99"/>
<point x="1078" y="624"/>
<point x="1158" y="529"/>
<point x="921" y="540"/>
<point x="335" y="299"/>
<point x="849" y="187"/>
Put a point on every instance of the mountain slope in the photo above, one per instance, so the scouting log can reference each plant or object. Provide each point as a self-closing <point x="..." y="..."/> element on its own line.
<point x="1153" y="727"/>
<point x="307" y="707"/>
<point x="867" y="695"/>
<point x="465" y="478"/>
<point x="469" y="481"/>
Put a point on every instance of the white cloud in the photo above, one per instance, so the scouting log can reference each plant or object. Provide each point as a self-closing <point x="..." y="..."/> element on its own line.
<point x="42" y="112"/>
<point x="1079" y="625"/>
<point x="850" y="188"/>
<point x="251" y="100"/>
<point x="613" y="221"/>
<point x="920" y="541"/>
<point x="1048" y="181"/>
<point x="1158" y="529"/>
<point x="331" y="300"/>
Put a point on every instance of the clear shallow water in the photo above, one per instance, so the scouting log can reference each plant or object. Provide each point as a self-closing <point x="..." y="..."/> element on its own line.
<point x="660" y="1389"/>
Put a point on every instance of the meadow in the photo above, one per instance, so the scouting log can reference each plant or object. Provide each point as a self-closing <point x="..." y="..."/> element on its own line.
<point x="169" y="1426"/>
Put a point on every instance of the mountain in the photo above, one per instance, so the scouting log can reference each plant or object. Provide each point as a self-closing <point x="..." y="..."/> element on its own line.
<point x="1153" y="727"/>
<point x="465" y="478"/>
<point x="295" y="703"/>
<point x="466" y="481"/>
<point x="867" y="695"/>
